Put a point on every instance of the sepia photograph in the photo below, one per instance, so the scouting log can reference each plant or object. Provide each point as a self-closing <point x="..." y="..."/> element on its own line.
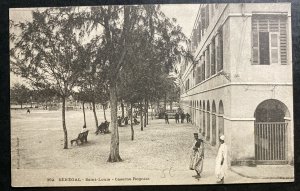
<point x="151" y="94"/>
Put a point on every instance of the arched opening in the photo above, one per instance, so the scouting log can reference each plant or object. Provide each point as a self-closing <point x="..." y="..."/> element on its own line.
<point x="200" y="117"/>
<point x="270" y="129"/>
<point x="221" y="118"/>
<point x="193" y="113"/>
<point x="196" y="114"/>
<point x="203" y="117"/>
<point x="271" y="111"/>
<point x="214" y="124"/>
<point x="208" y="122"/>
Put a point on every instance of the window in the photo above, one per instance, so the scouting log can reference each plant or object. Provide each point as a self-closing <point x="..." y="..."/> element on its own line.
<point x="219" y="49"/>
<point x="213" y="56"/>
<point x="187" y="85"/>
<point x="203" y="67"/>
<point x="207" y="16"/>
<point x="207" y="55"/>
<point x="269" y="39"/>
<point x="199" y="32"/>
<point x="203" y="20"/>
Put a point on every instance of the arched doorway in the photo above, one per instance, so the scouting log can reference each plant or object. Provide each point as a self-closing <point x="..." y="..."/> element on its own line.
<point x="203" y="117"/>
<point x="208" y="122"/>
<point x="270" y="130"/>
<point x="221" y="118"/>
<point x="196" y="116"/>
<point x="200" y="118"/>
<point x="213" y="124"/>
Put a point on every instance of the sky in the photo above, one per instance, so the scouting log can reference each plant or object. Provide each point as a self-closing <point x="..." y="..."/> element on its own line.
<point x="185" y="14"/>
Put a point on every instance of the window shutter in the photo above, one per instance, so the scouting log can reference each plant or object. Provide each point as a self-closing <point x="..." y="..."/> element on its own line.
<point x="255" y="48"/>
<point x="283" y="41"/>
<point x="274" y="47"/>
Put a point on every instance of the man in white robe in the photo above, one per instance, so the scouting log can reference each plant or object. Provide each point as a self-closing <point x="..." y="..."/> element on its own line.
<point x="221" y="161"/>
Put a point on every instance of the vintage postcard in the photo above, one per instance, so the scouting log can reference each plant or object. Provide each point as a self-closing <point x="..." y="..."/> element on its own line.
<point x="156" y="94"/>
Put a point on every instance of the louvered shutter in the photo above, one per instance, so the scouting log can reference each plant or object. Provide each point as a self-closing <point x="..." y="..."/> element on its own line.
<point x="283" y="41"/>
<point x="255" y="51"/>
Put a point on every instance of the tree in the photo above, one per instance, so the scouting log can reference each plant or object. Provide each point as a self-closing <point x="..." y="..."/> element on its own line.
<point x="20" y="94"/>
<point x="44" y="95"/>
<point x="47" y="52"/>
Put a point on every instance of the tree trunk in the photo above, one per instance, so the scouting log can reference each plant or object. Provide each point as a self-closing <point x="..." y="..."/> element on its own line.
<point x="104" y="112"/>
<point x="21" y="105"/>
<point x="114" y="155"/>
<point x="171" y="105"/>
<point x="131" y="124"/>
<point x="152" y="113"/>
<point x="147" y="106"/>
<point x="165" y="102"/>
<point x="63" y="109"/>
<point x="95" y="114"/>
<point x="141" y="116"/>
<point x="46" y="105"/>
<point x="145" y="117"/>
<point x="83" y="110"/>
<point x="122" y="107"/>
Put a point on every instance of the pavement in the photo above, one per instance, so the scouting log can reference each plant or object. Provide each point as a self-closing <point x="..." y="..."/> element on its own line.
<point x="265" y="171"/>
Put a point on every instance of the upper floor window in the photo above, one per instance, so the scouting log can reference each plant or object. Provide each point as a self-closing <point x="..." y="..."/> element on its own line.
<point x="269" y="39"/>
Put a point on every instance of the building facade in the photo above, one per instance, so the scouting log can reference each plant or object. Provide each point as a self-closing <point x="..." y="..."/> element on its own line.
<point x="240" y="83"/>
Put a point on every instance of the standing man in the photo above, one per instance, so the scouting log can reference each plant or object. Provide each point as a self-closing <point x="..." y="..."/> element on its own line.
<point x="166" y="118"/>
<point x="176" y="117"/>
<point x="182" y="116"/>
<point x="188" y="119"/>
<point x="197" y="156"/>
<point x="221" y="161"/>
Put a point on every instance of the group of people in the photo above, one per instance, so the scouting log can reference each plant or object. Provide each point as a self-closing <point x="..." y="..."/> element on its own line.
<point x="126" y="120"/>
<point x="182" y="117"/>
<point x="197" y="157"/>
<point x="177" y="115"/>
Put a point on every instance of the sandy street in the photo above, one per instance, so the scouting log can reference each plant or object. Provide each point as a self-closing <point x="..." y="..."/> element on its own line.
<point x="37" y="143"/>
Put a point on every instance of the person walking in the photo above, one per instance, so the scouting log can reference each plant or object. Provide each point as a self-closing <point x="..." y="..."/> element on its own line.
<point x="221" y="161"/>
<point x="166" y="118"/>
<point x="197" y="156"/>
<point x="176" y="117"/>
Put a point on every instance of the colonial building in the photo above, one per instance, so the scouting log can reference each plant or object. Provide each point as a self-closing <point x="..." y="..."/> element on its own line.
<point x="240" y="83"/>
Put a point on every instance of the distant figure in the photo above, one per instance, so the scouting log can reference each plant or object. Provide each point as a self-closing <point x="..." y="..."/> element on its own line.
<point x="188" y="117"/>
<point x="176" y="117"/>
<point x="197" y="155"/>
<point x="103" y="128"/>
<point x="119" y="121"/>
<point x="182" y="117"/>
<point x="126" y="120"/>
<point x="166" y="118"/>
<point x="221" y="161"/>
<point x="136" y="122"/>
<point x="84" y="129"/>
<point x="28" y="111"/>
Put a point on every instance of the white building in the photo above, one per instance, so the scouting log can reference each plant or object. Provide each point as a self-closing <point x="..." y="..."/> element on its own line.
<point x="241" y="82"/>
